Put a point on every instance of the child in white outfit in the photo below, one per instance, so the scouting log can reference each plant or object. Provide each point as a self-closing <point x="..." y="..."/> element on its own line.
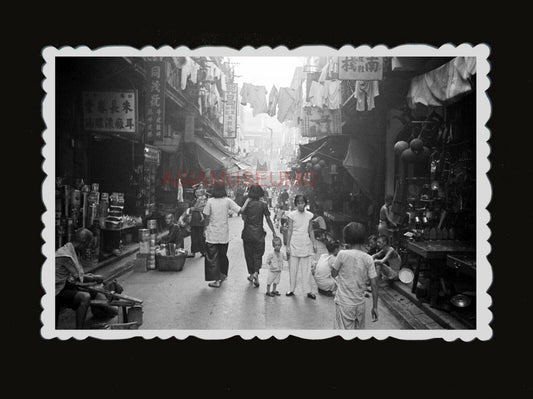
<point x="275" y="265"/>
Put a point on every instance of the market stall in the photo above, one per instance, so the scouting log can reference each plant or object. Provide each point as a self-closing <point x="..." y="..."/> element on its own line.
<point x="435" y="190"/>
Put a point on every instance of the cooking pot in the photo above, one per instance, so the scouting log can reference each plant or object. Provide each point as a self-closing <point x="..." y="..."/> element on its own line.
<point x="461" y="300"/>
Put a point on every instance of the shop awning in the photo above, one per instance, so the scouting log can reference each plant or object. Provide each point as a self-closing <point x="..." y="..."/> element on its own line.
<point x="332" y="148"/>
<point x="212" y="158"/>
<point x="444" y="85"/>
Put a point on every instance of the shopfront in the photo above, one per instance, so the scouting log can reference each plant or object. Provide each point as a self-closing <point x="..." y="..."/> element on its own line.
<point x="435" y="187"/>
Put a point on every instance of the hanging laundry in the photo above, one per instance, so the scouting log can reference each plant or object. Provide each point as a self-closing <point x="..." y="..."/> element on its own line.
<point x="324" y="73"/>
<point x="256" y="97"/>
<point x="297" y="78"/>
<point x="286" y="104"/>
<point x="272" y="101"/>
<point x="186" y="71"/>
<point x="366" y="91"/>
<point x="194" y="72"/>
<point x="332" y="94"/>
<point x="316" y="94"/>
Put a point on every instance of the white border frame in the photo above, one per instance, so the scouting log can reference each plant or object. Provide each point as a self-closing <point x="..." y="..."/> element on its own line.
<point x="484" y="191"/>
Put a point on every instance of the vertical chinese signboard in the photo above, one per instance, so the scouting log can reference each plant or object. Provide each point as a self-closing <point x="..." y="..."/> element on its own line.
<point x="110" y="111"/>
<point x="230" y="111"/>
<point x="321" y="122"/>
<point x="360" y="68"/>
<point x="155" y="111"/>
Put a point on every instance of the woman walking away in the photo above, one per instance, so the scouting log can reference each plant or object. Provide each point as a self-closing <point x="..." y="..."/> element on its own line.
<point x="353" y="268"/>
<point x="253" y="234"/>
<point x="300" y="245"/>
<point x="216" y="212"/>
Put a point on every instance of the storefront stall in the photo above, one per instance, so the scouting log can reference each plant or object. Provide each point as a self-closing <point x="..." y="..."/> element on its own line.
<point x="435" y="186"/>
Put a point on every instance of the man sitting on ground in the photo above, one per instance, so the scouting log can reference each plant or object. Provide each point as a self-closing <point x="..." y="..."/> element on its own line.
<point x="387" y="260"/>
<point x="70" y="271"/>
<point x="322" y="272"/>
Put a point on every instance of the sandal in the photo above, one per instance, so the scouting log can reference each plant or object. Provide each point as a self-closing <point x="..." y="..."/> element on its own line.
<point x="215" y="284"/>
<point x="250" y="279"/>
<point x="312" y="296"/>
<point x="276" y="293"/>
<point x="290" y="293"/>
<point x="270" y="294"/>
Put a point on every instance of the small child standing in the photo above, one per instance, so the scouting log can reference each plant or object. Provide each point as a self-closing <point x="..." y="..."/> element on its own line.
<point x="275" y="265"/>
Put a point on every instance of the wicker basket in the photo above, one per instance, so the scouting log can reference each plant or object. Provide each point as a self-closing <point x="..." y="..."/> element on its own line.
<point x="170" y="263"/>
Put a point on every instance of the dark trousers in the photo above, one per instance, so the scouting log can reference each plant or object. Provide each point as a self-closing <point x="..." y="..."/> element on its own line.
<point x="218" y="253"/>
<point x="197" y="239"/>
<point x="253" y="253"/>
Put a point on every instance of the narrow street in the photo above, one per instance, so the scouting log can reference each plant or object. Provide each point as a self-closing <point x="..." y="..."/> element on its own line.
<point x="182" y="300"/>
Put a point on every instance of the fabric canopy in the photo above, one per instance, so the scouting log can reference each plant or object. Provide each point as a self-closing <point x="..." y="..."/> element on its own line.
<point x="211" y="158"/>
<point x="360" y="162"/>
<point x="444" y="85"/>
<point x="332" y="148"/>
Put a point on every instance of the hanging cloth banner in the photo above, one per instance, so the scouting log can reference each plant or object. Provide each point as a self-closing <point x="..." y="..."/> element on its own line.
<point x="360" y="162"/>
<point x="444" y="85"/>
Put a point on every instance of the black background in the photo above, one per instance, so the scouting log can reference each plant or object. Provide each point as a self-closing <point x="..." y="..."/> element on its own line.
<point x="401" y="368"/>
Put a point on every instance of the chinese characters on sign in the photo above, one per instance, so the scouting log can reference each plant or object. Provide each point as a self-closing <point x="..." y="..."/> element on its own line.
<point x="152" y="154"/>
<point x="110" y="111"/>
<point x="360" y="68"/>
<point x="319" y="122"/>
<point x="155" y="111"/>
<point x="230" y="111"/>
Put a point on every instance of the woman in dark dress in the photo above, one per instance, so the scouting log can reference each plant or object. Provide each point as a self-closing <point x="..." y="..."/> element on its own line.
<point x="197" y="222"/>
<point x="253" y="234"/>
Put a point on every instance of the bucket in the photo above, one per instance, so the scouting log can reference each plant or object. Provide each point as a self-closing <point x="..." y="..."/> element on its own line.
<point x="152" y="224"/>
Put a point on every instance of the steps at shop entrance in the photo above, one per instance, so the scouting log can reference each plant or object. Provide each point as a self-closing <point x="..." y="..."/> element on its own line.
<point x="443" y="319"/>
<point x="117" y="266"/>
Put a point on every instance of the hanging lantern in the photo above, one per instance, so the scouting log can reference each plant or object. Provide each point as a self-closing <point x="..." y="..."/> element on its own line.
<point x="314" y="160"/>
<point x="322" y="163"/>
<point x="408" y="156"/>
<point x="416" y="145"/>
<point x="309" y="165"/>
<point x="400" y="147"/>
<point x="317" y="167"/>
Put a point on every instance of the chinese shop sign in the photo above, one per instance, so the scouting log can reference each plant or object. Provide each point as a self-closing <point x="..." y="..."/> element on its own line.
<point x="230" y="111"/>
<point x="360" y="68"/>
<point x="152" y="154"/>
<point x="321" y="122"/>
<point x="110" y="111"/>
<point x="155" y="111"/>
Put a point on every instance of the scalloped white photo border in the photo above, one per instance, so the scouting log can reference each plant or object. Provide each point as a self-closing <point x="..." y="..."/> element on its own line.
<point x="483" y="330"/>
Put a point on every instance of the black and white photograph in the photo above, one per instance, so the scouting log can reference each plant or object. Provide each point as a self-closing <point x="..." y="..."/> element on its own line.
<point x="266" y="192"/>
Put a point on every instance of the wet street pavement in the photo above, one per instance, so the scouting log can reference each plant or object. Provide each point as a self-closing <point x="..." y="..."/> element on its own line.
<point x="183" y="300"/>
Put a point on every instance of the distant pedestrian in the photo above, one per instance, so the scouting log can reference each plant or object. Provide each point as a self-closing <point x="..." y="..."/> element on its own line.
<point x="216" y="212"/>
<point x="275" y="266"/>
<point x="300" y="247"/>
<point x="353" y="268"/>
<point x="253" y="234"/>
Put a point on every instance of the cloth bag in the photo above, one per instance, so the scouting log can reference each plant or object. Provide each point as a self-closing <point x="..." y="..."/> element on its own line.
<point x="212" y="269"/>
